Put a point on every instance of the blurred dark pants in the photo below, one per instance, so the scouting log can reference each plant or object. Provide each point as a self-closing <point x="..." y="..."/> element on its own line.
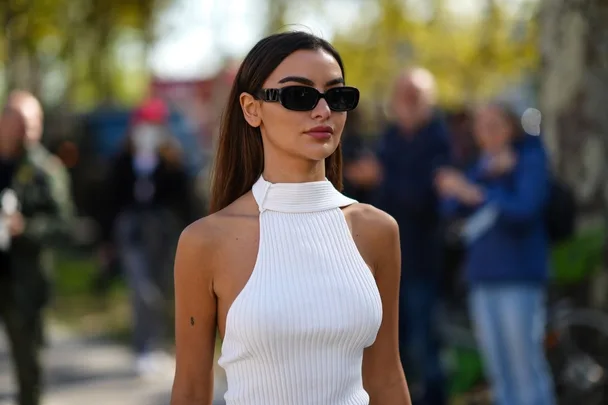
<point x="145" y="241"/>
<point x="419" y="341"/>
<point x="22" y="323"/>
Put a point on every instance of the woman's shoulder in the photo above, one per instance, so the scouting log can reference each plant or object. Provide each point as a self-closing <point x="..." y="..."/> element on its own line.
<point x="371" y="226"/>
<point x="200" y="238"/>
<point x="376" y="235"/>
<point x="368" y="215"/>
<point x="210" y="231"/>
<point x="206" y="243"/>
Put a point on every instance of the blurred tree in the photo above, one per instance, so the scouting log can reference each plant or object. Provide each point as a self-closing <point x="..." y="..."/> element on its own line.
<point x="574" y="93"/>
<point x="275" y="19"/>
<point x="472" y="58"/>
<point x="72" y="46"/>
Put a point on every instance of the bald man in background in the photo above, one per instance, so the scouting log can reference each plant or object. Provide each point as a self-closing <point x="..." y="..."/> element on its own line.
<point x="411" y="148"/>
<point x="39" y="185"/>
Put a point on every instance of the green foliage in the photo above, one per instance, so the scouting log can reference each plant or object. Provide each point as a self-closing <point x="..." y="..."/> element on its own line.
<point x="575" y="260"/>
<point x="75" y="304"/>
<point x="471" y="58"/>
<point x="78" y="38"/>
<point x="467" y="370"/>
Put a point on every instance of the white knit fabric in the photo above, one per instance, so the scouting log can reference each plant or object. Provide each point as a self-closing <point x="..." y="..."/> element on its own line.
<point x="295" y="334"/>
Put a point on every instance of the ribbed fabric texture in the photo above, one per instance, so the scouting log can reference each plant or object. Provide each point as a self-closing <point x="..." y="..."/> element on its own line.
<point x="295" y="334"/>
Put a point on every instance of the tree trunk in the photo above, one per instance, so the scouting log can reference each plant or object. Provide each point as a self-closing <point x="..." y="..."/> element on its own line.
<point x="100" y="61"/>
<point x="15" y="66"/>
<point x="34" y="79"/>
<point x="276" y="18"/>
<point x="574" y="95"/>
<point x="147" y="10"/>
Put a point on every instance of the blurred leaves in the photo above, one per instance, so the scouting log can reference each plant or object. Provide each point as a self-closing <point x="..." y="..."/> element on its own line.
<point x="73" y="44"/>
<point x="90" y="51"/>
<point x="472" y="58"/>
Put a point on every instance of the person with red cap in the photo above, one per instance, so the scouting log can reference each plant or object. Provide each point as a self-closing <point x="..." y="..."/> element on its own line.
<point x="153" y="110"/>
<point x="148" y="201"/>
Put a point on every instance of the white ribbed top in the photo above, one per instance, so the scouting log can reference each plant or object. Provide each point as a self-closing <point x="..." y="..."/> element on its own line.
<point x="295" y="334"/>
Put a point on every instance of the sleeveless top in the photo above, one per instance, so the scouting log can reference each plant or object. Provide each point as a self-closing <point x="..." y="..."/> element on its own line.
<point x="295" y="334"/>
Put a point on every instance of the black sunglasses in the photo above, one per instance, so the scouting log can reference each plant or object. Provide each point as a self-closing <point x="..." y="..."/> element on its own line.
<point x="305" y="98"/>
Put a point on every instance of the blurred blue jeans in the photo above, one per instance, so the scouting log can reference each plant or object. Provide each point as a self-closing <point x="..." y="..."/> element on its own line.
<point x="509" y="321"/>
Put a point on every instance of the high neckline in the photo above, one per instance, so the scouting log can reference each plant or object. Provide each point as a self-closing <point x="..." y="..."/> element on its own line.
<point x="298" y="197"/>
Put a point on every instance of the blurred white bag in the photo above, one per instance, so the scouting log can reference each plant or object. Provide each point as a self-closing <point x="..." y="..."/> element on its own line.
<point x="9" y="204"/>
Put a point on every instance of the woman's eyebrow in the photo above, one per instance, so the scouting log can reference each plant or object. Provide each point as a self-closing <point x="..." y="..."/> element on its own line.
<point x="333" y="82"/>
<point x="308" y="82"/>
<point x="297" y="79"/>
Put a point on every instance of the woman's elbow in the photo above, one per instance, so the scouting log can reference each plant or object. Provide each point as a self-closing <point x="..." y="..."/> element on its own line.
<point x="193" y="380"/>
<point x="191" y="388"/>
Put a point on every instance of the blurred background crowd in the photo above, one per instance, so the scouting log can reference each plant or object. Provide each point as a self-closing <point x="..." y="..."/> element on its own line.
<point x="110" y="110"/>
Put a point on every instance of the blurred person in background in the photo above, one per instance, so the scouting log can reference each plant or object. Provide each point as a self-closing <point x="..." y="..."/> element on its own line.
<point x="411" y="149"/>
<point x="148" y="204"/>
<point x="361" y="168"/>
<point x="36" y="213"/>
<point x="503" y="198"/>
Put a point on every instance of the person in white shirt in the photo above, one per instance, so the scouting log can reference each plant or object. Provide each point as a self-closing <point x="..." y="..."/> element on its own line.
<point x="301" y="281"/>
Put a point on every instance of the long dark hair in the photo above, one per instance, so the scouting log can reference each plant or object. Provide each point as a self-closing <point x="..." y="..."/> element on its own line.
<point x="239" y="158"/>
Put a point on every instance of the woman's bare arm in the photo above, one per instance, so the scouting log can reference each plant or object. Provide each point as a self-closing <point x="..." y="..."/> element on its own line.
<point x="383" y="376"/>
<point x="195" y="317"/>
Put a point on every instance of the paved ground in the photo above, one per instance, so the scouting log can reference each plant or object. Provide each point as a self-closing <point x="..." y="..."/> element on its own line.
<point x="91" y="372"/>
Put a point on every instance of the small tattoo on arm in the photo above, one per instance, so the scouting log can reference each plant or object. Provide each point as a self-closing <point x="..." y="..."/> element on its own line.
<point x="192" y="321"/>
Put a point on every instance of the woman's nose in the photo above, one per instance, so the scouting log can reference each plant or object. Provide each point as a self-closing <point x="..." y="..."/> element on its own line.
<point x="321" y="111"/>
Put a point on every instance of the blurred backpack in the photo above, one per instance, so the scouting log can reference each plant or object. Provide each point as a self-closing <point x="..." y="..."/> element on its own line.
<point x="560" y="212"/>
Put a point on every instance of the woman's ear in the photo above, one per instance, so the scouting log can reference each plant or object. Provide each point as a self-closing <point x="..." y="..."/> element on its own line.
<point x="251" y="109"/>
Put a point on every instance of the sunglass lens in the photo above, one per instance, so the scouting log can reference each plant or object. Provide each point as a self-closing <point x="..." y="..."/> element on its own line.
<point x="342" y="98"/>
<point x="299" y="98"/>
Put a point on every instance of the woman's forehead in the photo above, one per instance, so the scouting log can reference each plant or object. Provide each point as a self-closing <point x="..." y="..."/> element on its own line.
<point x="317" y="66"/>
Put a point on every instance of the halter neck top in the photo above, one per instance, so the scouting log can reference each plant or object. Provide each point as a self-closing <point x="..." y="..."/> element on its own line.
<point x="295" y="334"/>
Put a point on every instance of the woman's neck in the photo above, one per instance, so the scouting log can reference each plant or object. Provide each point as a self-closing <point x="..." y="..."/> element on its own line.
<point x="294" y="171"/>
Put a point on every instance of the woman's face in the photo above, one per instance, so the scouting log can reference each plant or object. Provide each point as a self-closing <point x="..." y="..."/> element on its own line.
<point x="492" y="129"/>
<point x="310" y="135"/>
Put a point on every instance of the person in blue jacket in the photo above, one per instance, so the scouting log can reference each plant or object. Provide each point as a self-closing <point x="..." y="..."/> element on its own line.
<point x="503" y="198"/>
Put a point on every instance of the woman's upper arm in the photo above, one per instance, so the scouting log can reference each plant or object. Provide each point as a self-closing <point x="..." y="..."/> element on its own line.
<point x="383" y="376"/>
<point x="195" y="318"/>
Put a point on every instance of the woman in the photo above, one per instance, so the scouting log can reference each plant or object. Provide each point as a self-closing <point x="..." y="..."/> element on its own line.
<point x="148" y="203"/>
<point x="503" y="199"/>
<point x="301" y="281"/>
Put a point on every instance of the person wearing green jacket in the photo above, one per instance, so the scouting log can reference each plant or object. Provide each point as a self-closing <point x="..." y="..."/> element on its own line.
<point x="35" y="214"/>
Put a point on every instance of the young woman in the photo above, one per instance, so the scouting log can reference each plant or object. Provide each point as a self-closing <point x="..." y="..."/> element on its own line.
<point x="503" y="199"/>
<point x="301" y="281"/>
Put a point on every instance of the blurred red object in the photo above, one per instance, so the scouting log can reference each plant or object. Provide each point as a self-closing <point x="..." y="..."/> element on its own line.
<point x="153" y="110"/>
<point x="229" y="73"/>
